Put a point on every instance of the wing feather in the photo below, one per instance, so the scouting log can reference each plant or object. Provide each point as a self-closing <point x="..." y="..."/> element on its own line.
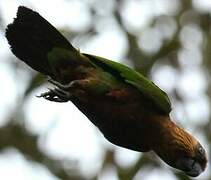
<point x="134" y="78"/>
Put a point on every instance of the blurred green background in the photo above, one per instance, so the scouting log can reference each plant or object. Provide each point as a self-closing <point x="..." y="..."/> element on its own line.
<point x="168" y="41"/>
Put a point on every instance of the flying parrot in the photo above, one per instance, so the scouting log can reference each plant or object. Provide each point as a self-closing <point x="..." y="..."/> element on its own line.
<point x="129" y="109"/>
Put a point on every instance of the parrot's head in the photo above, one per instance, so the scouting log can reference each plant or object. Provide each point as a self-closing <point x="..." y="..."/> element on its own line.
<point x="182" y="151"/>
<point x="192" y="163"/>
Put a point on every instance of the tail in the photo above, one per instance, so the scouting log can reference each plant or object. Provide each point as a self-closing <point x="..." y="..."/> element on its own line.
<point x="31" y="37"/>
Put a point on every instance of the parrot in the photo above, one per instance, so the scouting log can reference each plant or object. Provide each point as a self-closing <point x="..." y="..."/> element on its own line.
<point x="128" y="108"/>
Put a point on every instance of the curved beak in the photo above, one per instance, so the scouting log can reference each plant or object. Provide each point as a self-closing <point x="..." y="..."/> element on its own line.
<point x="190" y="166"/>
<point x="195" y="170"/>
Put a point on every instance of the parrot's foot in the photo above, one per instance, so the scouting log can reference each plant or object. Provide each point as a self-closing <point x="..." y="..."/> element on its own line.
<point x="61" y="86"/>
<point x="65" y="92"/>
<point x="73" y="84"/>
<point x="56" y="95"/>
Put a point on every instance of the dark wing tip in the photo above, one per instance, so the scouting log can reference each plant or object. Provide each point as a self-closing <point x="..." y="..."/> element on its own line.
<point x="31" y="37"/>
<point x="25" y="13"/>
<point x="23" y="10"/>
<point x="23" y="36"/>
<point x="14" y="28"/>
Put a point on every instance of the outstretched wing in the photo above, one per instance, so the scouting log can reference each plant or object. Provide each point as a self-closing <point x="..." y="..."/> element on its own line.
<point x="137" y="80"/>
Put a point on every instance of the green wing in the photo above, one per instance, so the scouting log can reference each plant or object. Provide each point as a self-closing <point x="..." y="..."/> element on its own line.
<point x="132" y="77"/>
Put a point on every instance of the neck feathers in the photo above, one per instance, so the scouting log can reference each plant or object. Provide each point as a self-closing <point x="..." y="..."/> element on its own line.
<point x="170" y="139"/>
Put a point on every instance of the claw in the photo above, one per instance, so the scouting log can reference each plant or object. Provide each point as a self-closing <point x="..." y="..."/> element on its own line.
<point x="56" y="95"/>
<point x="61" y="92"/>
<point x="55" y="83"/>
<point x="64" y="86"/>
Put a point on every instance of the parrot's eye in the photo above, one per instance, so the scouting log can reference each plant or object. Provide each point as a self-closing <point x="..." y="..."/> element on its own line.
<point x="201" y="154"/>
<point x="201" y="150"/>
